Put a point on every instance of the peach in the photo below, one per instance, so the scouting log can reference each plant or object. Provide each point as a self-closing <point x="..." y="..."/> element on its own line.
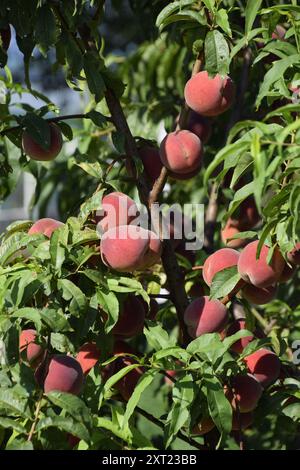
<point x="279" y="32"/>
<point x="204" y="426"/>
<point x="205" y="316"/>
<point x="246" y="391"/>
<point x="294" y="255"/>
<point x="209" y="96"/>
<point x="118" y="208"/>
<point x="248" y="215"/>
<point x="128" y="248"/>
<point x="257" y="271"/>
<point x="259" y="295"/>
<point x="181" y="152"/>
<point x="88" y="356"/>
<point x="64" y="375"/>
<point x="127" y="384"/>
<point x="264" y="365"/>
<point x="221" y="259"/>
<point x="45" y="226"/>
<point x="34" y="352"/>
<point x="5" y="38"/>
<point x="151" y="161"/>
<point x="228" y="232"/>
<point x="131" y="318"/>
<point x="36" y="152"/>
<point x="287" y="273"/>
<point x="242" y="421"/>
<point x="199" y="125"/>
<point x="237" y="326"/>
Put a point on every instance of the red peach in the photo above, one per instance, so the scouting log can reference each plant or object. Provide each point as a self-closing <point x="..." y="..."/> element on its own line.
<point x="118" y="208"/>
<point x="181" y="152"/>
<point x="264" y="365"/>
<point x="246" y="390"/>
<point x="45" y="226"/>
<point x="127" y="248"/>
<point x="64" y="375"/>
<point x="151" y="161"/>
<point x="257" y="271"/>
<point x="34" y="352"/>
<point x="199" y="125"/>
<point x="228" y="232"/>
<point x="205" y="316"/>
<point x="88" y="356"/>
<point x="36" y="152"/>
<point x="204" y="426"/>
<point x="209" y="96"/>
<point x="237" y="326"/>
<point x="258" y="295"/>
<point x="218" y="261"/>
<point x="131" y="318"/>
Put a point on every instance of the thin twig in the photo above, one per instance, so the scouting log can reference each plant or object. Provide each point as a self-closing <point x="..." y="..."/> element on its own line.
<point x="36" y="416"/>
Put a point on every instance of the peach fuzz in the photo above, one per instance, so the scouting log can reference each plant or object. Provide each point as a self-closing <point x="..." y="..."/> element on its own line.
<point x="64" y="375"/>
<point x="34" y="352"/>
<point x="36" y="152"/>
<point x="205" y="316"/>
<point x="181" y="152"/>
<point x="118" y="209"/>
<point x="218" y="261"/>
<point x="45" y="226"/>
<point x="246" y="391"/>
<point x="264" y="365"/>
<point x="209" y="96"/>
<point x="257" y="271"/>
<point x="131" y="318"/>
<point x="258" y="295"/>
<point x="88" y="356"/>
<point x="128" y="248"/>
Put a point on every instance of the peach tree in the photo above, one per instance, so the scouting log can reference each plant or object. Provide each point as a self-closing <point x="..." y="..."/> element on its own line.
<point x="109" y="340"/>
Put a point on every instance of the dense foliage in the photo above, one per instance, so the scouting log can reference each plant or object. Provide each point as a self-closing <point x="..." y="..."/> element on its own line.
<point x="137" y="56"/>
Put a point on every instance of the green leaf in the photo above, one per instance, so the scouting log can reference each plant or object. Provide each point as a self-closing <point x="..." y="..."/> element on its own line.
<point x="14" y="403"/>
<point x="45" y="27"/>
<point x="157" y="337"/>
<point x="98" y="119"/>
<point x="219" y="407"/>
<point x="108" y="301"/>
<point x="55" y="319"/>
<point x="92" y="68"/>
<point x="183" y="395"/>
<point x="73" y="405"/>
<point x="251" y="10"/>
<point x="65" y="424"/>
<point x="31" y="314"/>
<point x="224" y="282"/>
<point x="216" y="53"/>
<point x="8" y="423"/>
<point x="71" y="292"/>
<point x="169" y="9"/>
<point x="223" y="22"/>
<point x="20" y="444"/>
<point x="38" y="129"/>
<point x="92" y="169"/>
<point x="145" y="380"/>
